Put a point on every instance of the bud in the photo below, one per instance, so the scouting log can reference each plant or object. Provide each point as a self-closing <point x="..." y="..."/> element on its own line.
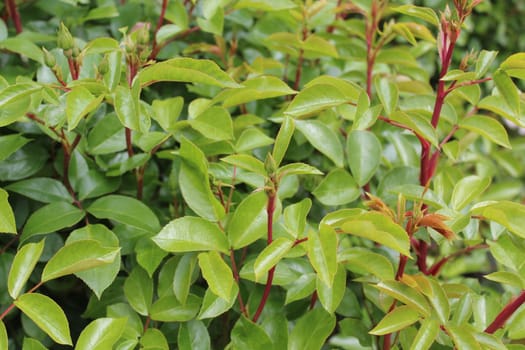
<point x="103" y="66"/>
<point x="75" y="52"/>
<point x="49" y="59"/>
<point x="269" y="165"/>
<point x="64" y="38"/>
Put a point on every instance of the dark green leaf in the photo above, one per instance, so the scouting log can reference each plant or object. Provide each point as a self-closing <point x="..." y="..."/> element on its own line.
<point x="42" y="189"/>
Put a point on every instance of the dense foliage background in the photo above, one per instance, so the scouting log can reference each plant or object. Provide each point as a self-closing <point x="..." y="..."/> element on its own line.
<point x="250" y="174"/>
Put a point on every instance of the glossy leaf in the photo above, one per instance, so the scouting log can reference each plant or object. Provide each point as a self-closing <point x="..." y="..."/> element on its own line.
<point x="76" y="257"/>
<point x="387" y="93"/>
<point x="424" y="13"/>
<point x="183" y="276"/>
<point x="217" y="274"/>
<point x="363" y="152"/>
<point x="283" y="139"/>
<point x="153" y="338"/>
<point x="271" y="255"/>
<point x="193" y="335"/>
<point x="188" y="234"/>
<point x="166" y="112"/>
<point x="311" y="330"/>
<point x="79" y="103"/>
<point x="213" y="305"/>
<point x="314" y="99"/>
<point x="248" y="335"/>
<point x="467" y="189"/>
<point x="516" y="328"/>
<point x="127" y="108"/>
<point x="337" y="188"/>
<point x="509" y="214"/>
<point x="295" y="217"/>
<point x="331" y="297"/>
<point x="100" y="334"/>
<point x="7" y="217"/>
<point x="51" y="217"/>
<point x="47" y="314"/>
<point x="258" y="88"/>
<point x="23" y="264"/>
<point x="42" y="189"/>
<point x="322" y="252"/>
<point x="301" y="288"/>
<point x="484" y="61"/>
<point x="508" y="90"/>
<point x="4" y="340"/>
<point x="126" y="210"/>
<point x="427" y="333"/>
<point x="169" y="309"/>
<point x="324" y="139"/>
<point x="463" y="338"/>
<point x="188" y="70"/>
<point x="406" y="295"/>
<point x="14" y="93"/>
<point x="487" y="127"/>
<point x="10" y="144"/>
<point x="138" y="289"/>
<point x="363" y="261"/>
<point x="215" y="123"/>
<point x="249" y="221"/>
<point x="247" y="162"/>
<point x="397" y="319"/>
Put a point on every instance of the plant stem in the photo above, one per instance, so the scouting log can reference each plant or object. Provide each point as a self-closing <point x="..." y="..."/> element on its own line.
<point x="11" y="307"/>
<point x="313" y="300"/>
<point x="159" y="24"/>
<point x="73" y="69"/>
<point x="270" y="208"/>
<point x="506" y="313"/>
<point x="235" y="271"/>
<point x="300" y="61"/>
<point x="436" y="268"/>
<point x="14" y="14"/>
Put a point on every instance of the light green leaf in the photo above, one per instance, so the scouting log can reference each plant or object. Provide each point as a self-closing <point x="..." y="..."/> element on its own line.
<point x="22" y="46"/>
<point x="149" y="254"/>
<point x="166" y="112"/>
<point x="252" y="138"/>
<point x="508" y="90"/>
<point x="189" y="234"/>
<point x="32" y="344"/>
<point x="388" y="94"/>
<point x="78" y="256"/>
<point x="295" y="217"/>
<point x="362" y="261"/>
<point x="22" y="267"/>
<point x="490" y="341"/>
<point x="463" y="338"/>
<point x="126" y="210"/>
<point x="282" y="141"/>
<point x="101" y="334"/>
<point x="271" y="255"/>
<point x="100" y="45"/>
<point x="484" y="61"/>
<point x="509" y="214"/>
<point x="247" y="162"/>
<point x="127" y="107"/>
<point x="324" y="139"/>
<point x="9" y="144"/>
<point x="316" y="46"/>
<point x="314" y="99"/>
<point x="7" y="218"/>
<point x="426" y="335"/>
<point x="214" y="123"/>
<point x="298" y="169"/>
<point x="467" y="189"/>
<point x="184" y="276"/>
<point x="397" y="319"/>
<point x="138" y="289"/>
<point x="487" y="127"/>
<point x="322" y="252"/>
<point x="213" y="305"/>
<point x="79" y="103"/>
<point x="107" y="136"/>
<point x="42" y="189"/>
<point x="248" y="335"/>
<point x="169" y="309"/>
<point x="4" y="340"/>
<point x="17" y="92"/>
<point x="187" y="70"/>
<point x="47" y="315"/>
<point x="514" y="65"/>
<point x="107" y="11"/>
<point x="217" y="273"/>
<point x="349" y="89"/>
<point x="301" y="288"/>
<point x="406" y="295"/>
<point x="424" y="13"/>
<point x="331" y="297"/>
<point x="265" y="5"/>
<point x="311" y="330"/>
<point x="249" y="221"/>
<point x="363" y="152"/>
<point x="51" y="217"/>
<point x="337" y="188"/>
<point x="193" y="335"/>
<point x="154" y="339"/>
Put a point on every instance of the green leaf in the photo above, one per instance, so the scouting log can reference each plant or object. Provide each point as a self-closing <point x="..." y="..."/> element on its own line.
<point x="363" y="152"/>
<point x="246" y="162"/>
<point x="213" y="305"/>
<point x="23" y="47"/>
<point x="108" y="136"/>
<point x="435" y="293"/>
<point x="508" y="90"/>
<point x="7" y="218"/>
<point x="127" y="107"/>
<point x="184" y="276"/>
<point x="32" y="344"/>
<point x="424" y="13"/>
<point x="350" y="90"/>
<point x="194" y="183"/>
<point x="484" y="61"/>
<point x="193" y="335"/>
<point x="467" y="189"/>
<point x="487" y="127"/>
<point x="337" y="188"/>
<point x="509" y="214"/>
<point x="248" y="335"/>
<point x="316" y="46"/>
<point x="9" y="144"/>
<point x="311" y="330"/>
<point x="153" y="338"/>
<point x="101" y="12"/>
<point x="51" y="217"/>
<point x="514" y="65"/>
<point x="94" y="184"/>
<point x="397" y="319"/>
<point x="169" y="309"/>
<point x="265" y="5"/>
<point x="252" y="138"/>
<point x="217" y="273"/>
<point x="215" y="123"/>
<point x="314" y="99"/>
<point x="388" y="94"/>
<point x="322" y="252"/>
<point x="187" y="70"/>
<point x="166" y="112"/>
<point x="249" y="221"/>
<point x="78" y="256"/>
<point x="406" y="295"/>
<point x="138" y="289"/>
<point x="126" y="210"/>
<point x="101" y="334"/>
<point x="301" y="288"/>
<point x="324" y="139"/>
<point x="4" y="340"/>
<point x="298" y="169"/>
<point x="426" y="335"/>
<point x="47" y="315"/>
<point x="42" y="189"/>
<point x="331" y="297"/>
<point x="420" y="194"/>
<point x="490" y="341"/>
<point x="282" y="141"/>
<point x="463" y="338"/>
<point x="295" y="217"/>
<point x="516" y="328"/>
<point x="16" y="93"/>
<point x="22" y="267"/>
<point x="378" y="228"/>
<point x="79" y="103"/>
<point x="189" y="234"/>
<point x="149" y="254"/>
<point x="362" y="261"/>
<point x="112" y="77"/>
<point x="271" y="255"/>
<point x="418" y="123"/>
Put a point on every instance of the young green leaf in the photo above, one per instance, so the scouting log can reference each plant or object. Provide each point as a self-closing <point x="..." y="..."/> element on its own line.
<point x="362" y="261"/>
<point x="314" y="99"/>
<point x="247" y="162"/>
<point x="127" y="107"/>
<point x="4" y="340"/>
<point x="79" y="103"/>
<point x="283" y="139"/>
<point x="9" y="144"/>
<point x="166" y="112"/>
<point x="363" y="151"/>
<point x="249" y="221"/>
<point x="214" y="123"/>
<point x="426" y="335"/>
<point x="424" y="13"/>
<point x="15" y="93"/>
<point x="213" y="305"/>
<point x="301" y="288"/>
<point x="101" y="334"/>
<point x="331" y="297"/>
<point x="508" y="90"/>
<point x="322" y="252"/>
<point x="487" y="127"/>
<point x="183" y="276"/>
<point x="22" y="267"/>
<point x="32" y="344"/>
<point x="509" y="214"/>
<point x="324" y="139"/>
<point x="407" y="295"/>
<point x="248" y="335"/>
<point x="311" y="330"/>
<point x="217" y="273"/>
<point x="47" y="315"/>
<point x="483" y="62"/>
<point x="467" y="189"/>
<point x="271" y="255"/>
<point x="149" y="254"/>
<point x="7" y="218"/>
<point x="397" y="319"/>
<point x="169" y="309"/>
<point x="189" y="234"/>
<point x="463" y="337"/>
<point x="138" y="289"/>
<point x="295" y="217"/>
<point x="388" y="94"/>
<point x="193" y="335"/>
<point x="337" y="188"/>
<point x="76" y="257"/>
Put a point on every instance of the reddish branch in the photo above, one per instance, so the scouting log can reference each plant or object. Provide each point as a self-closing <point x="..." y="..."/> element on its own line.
<point x="506" y="313"/>
<point x="181" y="35"/>
<point x="436" y="268"/>
<point x="159" y="24"/>
<point x="300" y="61"/>
<point x="14" y="14"/>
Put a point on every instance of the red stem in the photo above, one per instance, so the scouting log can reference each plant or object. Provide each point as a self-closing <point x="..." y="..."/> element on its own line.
<point x="10" y="307"/>
<point x="313" y="300"/>
<point x="270" y="208"/>
<point x="184" y="34"/>
<point x="506" y="313"/>
<point x="73" y="68"/>
<point x="235" y="271"/>
<point x="300" y="61"/>
<point x="159" y="23"/>
<point x="436" y="268"/>
<point x="14" y="14"/>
